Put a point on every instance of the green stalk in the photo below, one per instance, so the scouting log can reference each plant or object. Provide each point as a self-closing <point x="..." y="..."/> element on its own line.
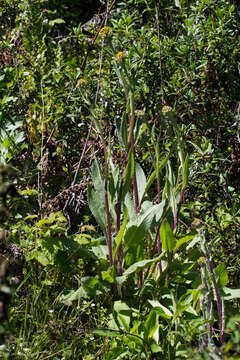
<point x="105" y="190"/>
<point x="131" y="147"/>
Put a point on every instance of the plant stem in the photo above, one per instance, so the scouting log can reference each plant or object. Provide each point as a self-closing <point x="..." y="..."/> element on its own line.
<point x="131" y="146"/>
<point x="109" y="232"/>
<point x="218" y="298"/>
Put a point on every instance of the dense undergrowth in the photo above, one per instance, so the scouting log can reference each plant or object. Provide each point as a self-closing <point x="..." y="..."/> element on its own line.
<point x="119" y="179"/>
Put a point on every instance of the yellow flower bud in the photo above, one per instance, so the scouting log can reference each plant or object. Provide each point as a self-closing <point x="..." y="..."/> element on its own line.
<point x="166" y="109"/>
<point x="120" y="56"/>
<point x="105" y="31"/>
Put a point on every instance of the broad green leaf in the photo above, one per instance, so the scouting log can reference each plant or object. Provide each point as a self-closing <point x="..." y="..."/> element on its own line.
<point x="162" y="310"/>
<point x="97" y="207"/>
<point x="117" y="353"/>
<point x="122" y="130"/>
<point x="151" y="325"/>
<point x="143" y="222"/>
<point x="128" y="176"/>
<point x="109" y="275"/>
<point x="41" y="258"/>
<point x="121" y="232"/>
<point x="184" y="240"/>
<point x="56" y="21"/>
<point x="129" y="203"/>
<point x="124" y="313"/>
<point x="92" y="286"/>
<point x="72" y="295"/>
<point x="97" y="177"/>
<point x="231" y="293"/>
<point x="141" y="181"/>
<point x="138" y="266"/>
<point x="167" y="237"/>
<point x="101" y="251"/>
<point x="171" y="177"/>
<point x="222" y="275"/>
<point x="177" y="4"/>
<point x="105" y="332"/>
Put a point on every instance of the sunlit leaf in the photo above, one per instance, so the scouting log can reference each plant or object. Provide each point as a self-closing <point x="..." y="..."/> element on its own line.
<point x="167" y="237"/>
<point x="184" y="240"/>
<point x="162" y="310"/>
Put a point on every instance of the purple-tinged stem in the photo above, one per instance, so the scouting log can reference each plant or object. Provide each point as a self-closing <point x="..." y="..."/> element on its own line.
<point x="159" y="247"/>
<point x="109" y="231"/>
<point x="218" y="299"/>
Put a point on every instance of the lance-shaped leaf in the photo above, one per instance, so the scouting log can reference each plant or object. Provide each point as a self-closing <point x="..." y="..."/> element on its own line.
<point x="138" y="228"/>
<point x="140" y="265"/>
<point x="129" y="172"/>
<point x="162" y="310"/>
<point x="122" y="130"/>
<point x="97" y="207"/>
<point x="97" y="177"/>
<point x="121" y="232"/>
<point x="141" y="181"/>
<point x="167" y="237"/>
<point x="185" y="239"/>
<point x="152" y="177"/>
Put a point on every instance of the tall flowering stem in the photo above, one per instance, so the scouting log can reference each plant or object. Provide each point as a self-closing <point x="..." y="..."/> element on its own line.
<point x="210" y="269"/>
<point x="131" y="146"/>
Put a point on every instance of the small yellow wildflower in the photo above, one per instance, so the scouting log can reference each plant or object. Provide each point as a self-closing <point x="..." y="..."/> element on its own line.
<point x="81" y="82"/>
<point x="202" y="261"/>
<point x="105" y="31"/>
<point x="140" y="113"/>
<point x="120" y="56"/>
<point x="166" y="109"/>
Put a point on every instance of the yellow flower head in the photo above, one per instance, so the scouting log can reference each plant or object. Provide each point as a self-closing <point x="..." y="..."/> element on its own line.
<point x="81" y="82"/>
<point x="166" y="109"/>
<point x="202" y="261"/>
<point x="105" y="31"/>
<point x="120" y="56"/>
<point x="140" y="113"/>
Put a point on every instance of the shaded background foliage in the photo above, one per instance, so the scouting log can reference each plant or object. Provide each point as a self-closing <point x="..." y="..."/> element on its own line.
<point x="185" y="54"/>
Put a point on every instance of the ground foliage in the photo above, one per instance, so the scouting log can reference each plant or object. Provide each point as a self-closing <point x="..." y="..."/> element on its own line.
<point x="119" y="152"/>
